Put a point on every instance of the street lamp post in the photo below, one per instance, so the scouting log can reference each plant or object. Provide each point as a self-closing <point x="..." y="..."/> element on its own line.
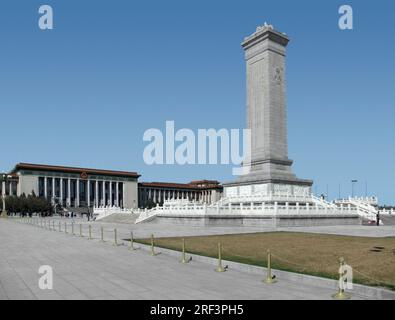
<point x="352" y="187"/>
<point x="4" y="179"/>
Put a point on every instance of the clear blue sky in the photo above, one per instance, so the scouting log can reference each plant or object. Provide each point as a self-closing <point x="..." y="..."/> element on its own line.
<point x="84" y="93"/>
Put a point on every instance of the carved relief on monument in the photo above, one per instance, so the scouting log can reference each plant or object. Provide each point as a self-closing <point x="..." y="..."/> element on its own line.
<point x="261" y="189"/>
<point x="282" y="189"/>
<point x="278" y="75"/>
<point x="231" y="192"/>
<point x="301" y="191"/>
<point x="245" y="190"/>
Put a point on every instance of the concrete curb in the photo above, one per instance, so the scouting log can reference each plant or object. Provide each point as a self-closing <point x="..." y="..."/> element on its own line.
<point x="358" y="289"/>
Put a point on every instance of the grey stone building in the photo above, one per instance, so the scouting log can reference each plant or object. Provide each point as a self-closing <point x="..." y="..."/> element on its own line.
<point x="74" y="187"/>
<point x="204" y="191"/>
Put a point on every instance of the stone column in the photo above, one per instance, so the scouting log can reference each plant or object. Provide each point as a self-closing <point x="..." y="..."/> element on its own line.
<point x="61" y="191"/>
<point x="117" y="195"/>
<point x="45" y="187"/>
<point x="104" y="193"/>
<point x="96" y="193"/>
<point x="53" y="189"/>
<point x="88" y="187"/>
<point x="123" y="197"/>
<point x="77" y="199"/>
<point x="110" y="193"/>
<point x="69" y="192"/>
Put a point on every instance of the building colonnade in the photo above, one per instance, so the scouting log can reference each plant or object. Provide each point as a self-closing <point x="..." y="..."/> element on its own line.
<point x="152" y="195"/>
<point x="76" y="192"/>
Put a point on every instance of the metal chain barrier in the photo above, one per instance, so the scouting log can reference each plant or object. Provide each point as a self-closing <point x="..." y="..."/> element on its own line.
<point x="42" y="223"/>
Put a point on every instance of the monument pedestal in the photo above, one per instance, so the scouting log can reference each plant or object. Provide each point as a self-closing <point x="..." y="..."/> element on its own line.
<point x="269" y="177"/>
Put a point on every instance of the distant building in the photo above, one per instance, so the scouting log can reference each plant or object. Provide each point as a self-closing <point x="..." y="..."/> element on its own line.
<point x="74" y="187"/>
<point x="152" y="193"/>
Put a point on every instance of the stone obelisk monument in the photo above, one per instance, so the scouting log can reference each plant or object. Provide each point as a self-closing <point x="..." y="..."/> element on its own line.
<point x="270" y="168"/>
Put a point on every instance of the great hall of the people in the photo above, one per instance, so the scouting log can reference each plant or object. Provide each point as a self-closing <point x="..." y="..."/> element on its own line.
<point x="87" y="188"/>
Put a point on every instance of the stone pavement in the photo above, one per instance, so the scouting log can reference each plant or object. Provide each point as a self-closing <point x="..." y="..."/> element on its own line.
<point x="86" y="269"/>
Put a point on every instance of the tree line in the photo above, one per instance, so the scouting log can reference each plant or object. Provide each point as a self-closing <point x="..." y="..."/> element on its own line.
<point x="27" y="205"/>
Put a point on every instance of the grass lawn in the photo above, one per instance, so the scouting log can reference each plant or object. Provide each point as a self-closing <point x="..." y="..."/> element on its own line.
<point x="372" y="259"/>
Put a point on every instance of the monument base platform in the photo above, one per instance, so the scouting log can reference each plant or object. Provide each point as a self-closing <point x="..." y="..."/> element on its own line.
<point x="259" y="221"/>
<point x="268" y="188"/>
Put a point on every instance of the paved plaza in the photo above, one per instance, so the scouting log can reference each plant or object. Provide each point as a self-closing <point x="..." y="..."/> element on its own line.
<point x="144" y="230"/>
<point x="86" y="269"/>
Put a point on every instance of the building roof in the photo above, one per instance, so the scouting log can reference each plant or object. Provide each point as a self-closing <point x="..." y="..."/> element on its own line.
<point x="205" y="182"/>
<point x="44" y="167"/>
<point x="192" y="185"/>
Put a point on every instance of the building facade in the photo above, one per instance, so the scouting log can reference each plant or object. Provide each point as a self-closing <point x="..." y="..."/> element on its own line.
<point x="86" y="188"/>
<point x="74" y="187"/>
<point x="152" y="193"/>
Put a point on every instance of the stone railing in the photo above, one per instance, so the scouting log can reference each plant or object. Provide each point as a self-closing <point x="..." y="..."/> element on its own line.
<point x="322" y="202"/>
<point x="363" y="205"/>
<point x="387" y="211"/>
<point x="242" y="209"/>
<point x="266" y="198"/>
<point x="101" y="212"/>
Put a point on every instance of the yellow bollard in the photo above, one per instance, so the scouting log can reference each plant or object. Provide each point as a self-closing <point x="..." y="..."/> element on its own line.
<point x="152" y="246"/>
<point x="81" y="230"/>
<point x="53" y="225"/>
<point x="341" y="295"/>
<point x="220" y="268"/>
<point x="65" y="227"/>
<point x="72" y="229"/>
<point x="131" y="246"/>
<point x="115" y="237"/>
<point x="183" y="256"/>
<point x="90" y="232"/>
<point x="101" y="234"/>
<point x="269" y="277"/>
<point x="60" y="227"/>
